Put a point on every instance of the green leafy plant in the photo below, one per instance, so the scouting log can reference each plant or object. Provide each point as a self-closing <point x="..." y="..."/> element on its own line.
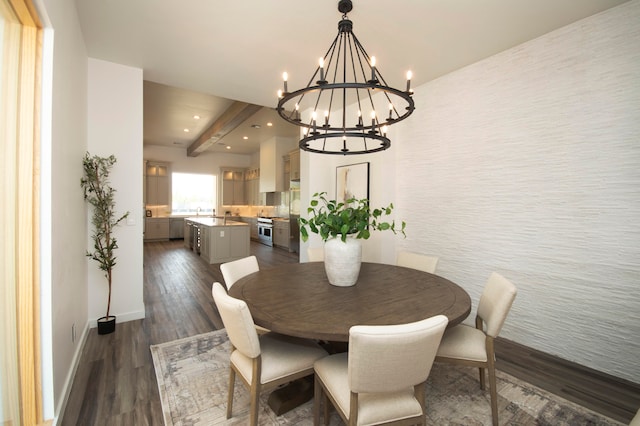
<point x="100" y="195"/>
<point x="331" y="219"/>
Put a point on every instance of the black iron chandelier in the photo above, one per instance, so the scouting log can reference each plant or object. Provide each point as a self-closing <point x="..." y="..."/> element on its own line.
<point x="347" y="104"/>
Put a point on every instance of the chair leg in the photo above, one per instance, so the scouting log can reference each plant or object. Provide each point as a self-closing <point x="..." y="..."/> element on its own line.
<point x="256" y="374"/>
<point x="491" y="369"/>
<point x="482" y="378"/>
<point x="327" y="408"/>
<point x="317" y="397"/>
<point x="232" y="381"/>
<point x="420" y="391"/>
<point x="494" y="395"/>
<point x="253" y="416"/>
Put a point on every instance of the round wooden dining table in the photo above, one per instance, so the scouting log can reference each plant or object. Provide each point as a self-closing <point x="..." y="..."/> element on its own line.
<point x="297" y="300"/>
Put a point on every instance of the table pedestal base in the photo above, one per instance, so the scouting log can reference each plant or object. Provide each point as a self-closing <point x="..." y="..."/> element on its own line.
<point x="291" y="395"/>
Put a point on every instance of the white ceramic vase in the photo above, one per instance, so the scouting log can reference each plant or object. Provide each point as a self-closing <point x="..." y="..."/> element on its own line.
<point x="342" y="261"/>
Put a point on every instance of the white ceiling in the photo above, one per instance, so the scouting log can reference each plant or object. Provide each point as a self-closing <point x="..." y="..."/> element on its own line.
<point x="199" y="55"/>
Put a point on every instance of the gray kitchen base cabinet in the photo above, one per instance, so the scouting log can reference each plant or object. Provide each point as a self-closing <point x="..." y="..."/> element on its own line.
<point x="156" y="229"/>
<point x="281" y="233"/>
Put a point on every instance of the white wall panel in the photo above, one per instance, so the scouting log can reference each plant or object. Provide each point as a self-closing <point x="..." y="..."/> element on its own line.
<point x="115" y="127"/>
<point x="528" y="163"/>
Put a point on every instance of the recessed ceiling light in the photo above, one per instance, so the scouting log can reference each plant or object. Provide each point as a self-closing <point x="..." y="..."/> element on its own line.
<point x="186" y="130"/>
<point x="197" y="117"/>
<point x="228" y="147"/>
<point x="245" y="137"/>
<point x="269" y="124"/>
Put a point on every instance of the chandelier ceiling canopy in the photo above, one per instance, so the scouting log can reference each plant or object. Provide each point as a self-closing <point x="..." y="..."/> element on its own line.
<point x="347" y="106"/>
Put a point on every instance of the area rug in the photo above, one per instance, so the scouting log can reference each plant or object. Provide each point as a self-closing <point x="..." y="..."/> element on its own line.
<point x="193" y="376"/>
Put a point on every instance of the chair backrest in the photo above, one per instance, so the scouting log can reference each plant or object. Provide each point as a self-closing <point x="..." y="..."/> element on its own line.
<point x="421" y="262"/>
<point x="315" y="254"/>
<point x="495" y="303"/>
<point x="234" y="270"/>
<point x="237" y="321"/>
<point x="388" y="358"/>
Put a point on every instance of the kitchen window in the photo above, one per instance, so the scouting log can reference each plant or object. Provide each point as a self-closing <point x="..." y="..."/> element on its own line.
<point x="193" y="194"/>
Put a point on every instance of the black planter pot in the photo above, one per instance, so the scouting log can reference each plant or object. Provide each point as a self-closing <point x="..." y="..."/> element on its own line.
<point x="106" y="325"/>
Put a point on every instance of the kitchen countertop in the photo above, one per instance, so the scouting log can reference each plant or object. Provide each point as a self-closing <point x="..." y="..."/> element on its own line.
<point x="215" y="222"/>
<point x="282" y="219"/>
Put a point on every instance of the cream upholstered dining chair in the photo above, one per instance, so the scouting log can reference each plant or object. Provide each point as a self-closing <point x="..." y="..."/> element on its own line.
<point x="262" y="361"/>
<point x="382" y="379"/>
<point x="474" y="347"/>
<point x="421" y="262"/>
<point x="236" y="269"/>
<point x="315" y="254"/>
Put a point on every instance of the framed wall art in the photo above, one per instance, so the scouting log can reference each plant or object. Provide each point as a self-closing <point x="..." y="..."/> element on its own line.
<point x="352" y="181"/>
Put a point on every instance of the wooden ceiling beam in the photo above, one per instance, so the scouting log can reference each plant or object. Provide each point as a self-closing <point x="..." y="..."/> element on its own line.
<point x="236" y="114"/>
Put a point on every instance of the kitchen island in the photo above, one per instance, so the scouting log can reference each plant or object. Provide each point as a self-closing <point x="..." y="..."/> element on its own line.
<point x="217" y="240"/>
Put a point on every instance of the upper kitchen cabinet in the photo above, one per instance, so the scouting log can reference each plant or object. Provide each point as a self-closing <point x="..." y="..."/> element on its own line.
<point x="294" y="165"/>
<point x="272" y="163"/>
<point x="251" y="182"/>
<point x="157" y="183"/>
<point x="233" y="193"/>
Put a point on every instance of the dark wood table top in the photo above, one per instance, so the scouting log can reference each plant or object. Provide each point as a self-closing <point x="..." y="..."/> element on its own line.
<point x="297" y="300"/>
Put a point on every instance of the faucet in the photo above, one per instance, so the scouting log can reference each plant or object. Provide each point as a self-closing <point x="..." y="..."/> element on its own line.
<point x="224" y="221"/>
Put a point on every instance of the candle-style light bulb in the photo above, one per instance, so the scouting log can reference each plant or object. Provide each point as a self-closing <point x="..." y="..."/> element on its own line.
<point x="409" y="75"/>
<point x="321" y="64"/>
<point x="313" y="120"/>
<point x="384" y="130"/>
<point x="297" y="112"/>
<point x="359" y="118"/>
<point x="373" y="119"/>
<point x="326" y="118"/>
<point x="285" y="77"/>
<point x="390" y="111"/>
<point x="279" y="94"/>
<point x="373" y="68"/>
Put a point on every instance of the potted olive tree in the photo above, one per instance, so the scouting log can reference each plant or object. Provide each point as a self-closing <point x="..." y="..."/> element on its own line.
<point x="342" y="226"/>
<point x="100" y="195"/>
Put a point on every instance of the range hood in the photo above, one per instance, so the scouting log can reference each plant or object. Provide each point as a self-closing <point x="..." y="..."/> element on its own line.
<point x="271" y="198"/>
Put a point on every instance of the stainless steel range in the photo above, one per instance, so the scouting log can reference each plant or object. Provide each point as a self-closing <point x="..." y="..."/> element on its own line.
<point x="265" y="230"/>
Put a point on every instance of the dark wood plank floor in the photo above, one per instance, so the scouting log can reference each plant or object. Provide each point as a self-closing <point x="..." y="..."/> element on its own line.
<point x="115" y="382"/>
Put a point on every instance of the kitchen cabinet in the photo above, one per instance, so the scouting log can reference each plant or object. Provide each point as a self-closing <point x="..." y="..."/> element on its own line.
<point x="287" y="172"/>
<point x="156" y="228"/>
<point x="176" y="228"/>
<point x="281" y="233"/>
<point x="157" y="184"/>
<point x="233" y="187"/>
<point x="253" y="224"/>
<point x="294" y="165"/>
<point x="252" y="221"/>
<point x="251" y="187"/>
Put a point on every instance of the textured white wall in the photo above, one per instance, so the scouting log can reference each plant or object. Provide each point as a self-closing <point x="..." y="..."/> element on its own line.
<point x="528" y="163"/>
